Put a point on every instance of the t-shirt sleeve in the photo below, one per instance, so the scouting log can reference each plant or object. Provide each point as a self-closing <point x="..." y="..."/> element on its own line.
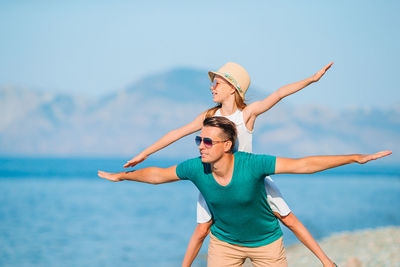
<point x="263" y="164"/>
<point x="187" y="169"/>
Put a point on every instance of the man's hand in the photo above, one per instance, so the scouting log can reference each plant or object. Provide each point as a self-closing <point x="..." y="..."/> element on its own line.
<point x="136" y="160"/>
<point x="113" y="177"/>
<point x="365" y="158"/>
<point x="320" y="73"/>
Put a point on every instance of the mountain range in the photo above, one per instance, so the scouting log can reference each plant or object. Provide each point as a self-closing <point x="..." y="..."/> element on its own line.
<point x="44" y="124"/>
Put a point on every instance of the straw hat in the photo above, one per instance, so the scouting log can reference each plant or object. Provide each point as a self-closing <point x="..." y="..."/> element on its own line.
<point x="234" y="74"/>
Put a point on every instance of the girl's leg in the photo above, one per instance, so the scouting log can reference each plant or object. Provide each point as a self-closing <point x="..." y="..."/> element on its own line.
<point x="204" y="223"/>
<point x="291" y="222"/>
<point x="283" y="213"/>
<point x="195" y="243"/>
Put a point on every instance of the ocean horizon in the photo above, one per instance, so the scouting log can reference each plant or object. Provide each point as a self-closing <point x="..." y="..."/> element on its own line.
<point x="57" y="212"/>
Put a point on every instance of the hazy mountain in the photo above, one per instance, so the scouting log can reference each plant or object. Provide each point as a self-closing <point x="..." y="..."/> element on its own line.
<point x="122" y="123"/>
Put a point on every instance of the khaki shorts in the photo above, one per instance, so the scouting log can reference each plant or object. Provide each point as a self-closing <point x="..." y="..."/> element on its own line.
<point x="222" y="254"/>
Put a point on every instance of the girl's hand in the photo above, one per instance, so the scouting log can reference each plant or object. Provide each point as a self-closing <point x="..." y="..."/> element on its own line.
<point x="136" y="160"/>
<point x="320" y="73"/>
<point x="113" y="177"/>
<point x="365" y="158"/>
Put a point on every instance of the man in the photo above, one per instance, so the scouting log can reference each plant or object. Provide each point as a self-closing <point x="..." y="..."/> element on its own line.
<point x="233" y="187"/>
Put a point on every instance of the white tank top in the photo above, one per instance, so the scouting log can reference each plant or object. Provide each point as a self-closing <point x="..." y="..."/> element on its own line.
<point x="245" y="136"/>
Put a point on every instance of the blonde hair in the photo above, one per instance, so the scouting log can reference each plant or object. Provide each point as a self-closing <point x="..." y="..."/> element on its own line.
<point x="240" y="103"/>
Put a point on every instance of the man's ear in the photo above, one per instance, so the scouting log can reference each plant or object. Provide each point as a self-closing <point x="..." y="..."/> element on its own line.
<point x="227" y="146"/>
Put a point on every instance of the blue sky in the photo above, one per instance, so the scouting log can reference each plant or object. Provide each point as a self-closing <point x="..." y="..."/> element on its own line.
<point x="94" y="47"/>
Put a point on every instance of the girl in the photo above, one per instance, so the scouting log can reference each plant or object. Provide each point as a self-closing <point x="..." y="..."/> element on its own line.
<point x="229" y="85"/>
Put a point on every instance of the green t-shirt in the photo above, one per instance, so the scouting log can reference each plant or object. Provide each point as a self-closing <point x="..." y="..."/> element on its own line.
<point x="240" y="209"/>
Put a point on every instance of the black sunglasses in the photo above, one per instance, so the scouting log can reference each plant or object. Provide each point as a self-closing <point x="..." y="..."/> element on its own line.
<point x="208" y="142"/>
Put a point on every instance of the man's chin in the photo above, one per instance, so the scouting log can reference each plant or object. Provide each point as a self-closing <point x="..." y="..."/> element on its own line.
<point x="205" y="159"/>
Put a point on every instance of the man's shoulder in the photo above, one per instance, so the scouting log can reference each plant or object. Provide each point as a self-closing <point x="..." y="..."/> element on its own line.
<point x="253" y="160"/>
<point x="243" y="158"/>
<point x="241" y="154"/>
<point x="246" y="155"/>
<point x="187" y="168"/>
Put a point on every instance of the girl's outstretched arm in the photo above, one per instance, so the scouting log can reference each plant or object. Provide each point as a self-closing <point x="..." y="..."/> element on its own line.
<point x="259" y="107"/>
<point x="168" y="139"/>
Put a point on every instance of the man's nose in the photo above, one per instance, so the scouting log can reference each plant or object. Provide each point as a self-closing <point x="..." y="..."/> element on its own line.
<point x="201" y="145"/>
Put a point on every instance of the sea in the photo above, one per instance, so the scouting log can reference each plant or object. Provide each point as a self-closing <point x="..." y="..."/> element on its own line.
<point x="57" y="212"/>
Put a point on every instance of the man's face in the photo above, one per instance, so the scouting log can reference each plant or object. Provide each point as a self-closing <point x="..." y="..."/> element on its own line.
<point x="218" y="148"/>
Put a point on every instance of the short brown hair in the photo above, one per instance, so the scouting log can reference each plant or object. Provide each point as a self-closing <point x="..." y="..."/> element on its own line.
<point x="227" y="127"/>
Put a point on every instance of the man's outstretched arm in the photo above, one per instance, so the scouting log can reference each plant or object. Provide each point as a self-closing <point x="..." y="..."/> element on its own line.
<point x="151" y="175"/>
<point x="320" y="163"/>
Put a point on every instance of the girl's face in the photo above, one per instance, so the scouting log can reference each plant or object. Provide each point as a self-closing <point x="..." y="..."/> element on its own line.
<point x="221" y="90"/>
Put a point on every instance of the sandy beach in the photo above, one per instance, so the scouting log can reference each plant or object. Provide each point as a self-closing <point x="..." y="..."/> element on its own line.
<point x="372" y="247"/>
<point x="366" y="248"/>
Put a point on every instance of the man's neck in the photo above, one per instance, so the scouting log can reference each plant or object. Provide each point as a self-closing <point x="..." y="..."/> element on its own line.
<point x="222" y="169"/>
